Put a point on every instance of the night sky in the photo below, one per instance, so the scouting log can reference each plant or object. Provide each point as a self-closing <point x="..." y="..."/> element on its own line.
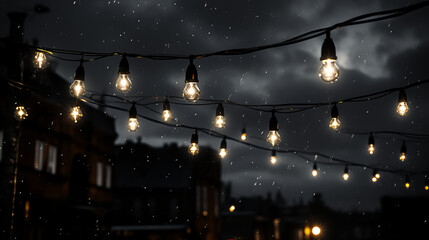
<point x="371" y="57"/>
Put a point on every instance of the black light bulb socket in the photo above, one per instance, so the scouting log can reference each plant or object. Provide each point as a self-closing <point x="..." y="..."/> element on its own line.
<point x="191" y="72"/>
<point x="328" y="48"/>
<point x="166" y="105"/>
<point x="194" y="137"/>
<point x="273" y="153"/>
<point x="243" y="131"/>
<point x="402" y="96"/>
<point x="371" y="139"/>
<point x="219" y="110"/>
<point x="274" y="124"/>
<point x="223" y="143"/>
<point x="133" y="111"/>
<point x="346" y="170"/>
<point x="315" y="166"/>
<point x="124" y="67"/>
<point x="79" y="74"/>
<point x="334" y="111"/>
<point x="403" y="148"/>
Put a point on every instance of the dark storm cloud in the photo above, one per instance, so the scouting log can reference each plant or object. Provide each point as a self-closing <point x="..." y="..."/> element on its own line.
<point x="372" y="57"/>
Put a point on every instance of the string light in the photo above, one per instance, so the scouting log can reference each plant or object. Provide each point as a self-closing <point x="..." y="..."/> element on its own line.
<point x="77" y="88"/>
<point x="123" y="83"/>
<point x="314" y="172"/>
<point x="243" y="134"/>
<point x="191" y="92"/>
<point x="273" y="157"/>
<point x="166" y="114"/>
<point x="346" y="174"/>
<point x="193" y="147"/>
<point x="133" y="123"/>
<point x="220" y="116"/>
<point x="273" y="136"/>
<point x="402" y="107"/>
<point x="40" y="61"/>
<point x="232" y="208"/>
<point x="76" y="113"/>
<point x="329" y="70"/>
<point x="375" y="175"/>
<point x="335" y="118"/>
<point x="222" y="151"/>
<point x="371" y="148"/>
<point x="426" y="183"/>
<point x="407" y="181"/>
<point x="403" y="152"/>
<point x="20" y="113"/>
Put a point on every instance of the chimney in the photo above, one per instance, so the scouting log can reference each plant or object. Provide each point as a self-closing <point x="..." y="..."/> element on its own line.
<point x="16" y="31"/>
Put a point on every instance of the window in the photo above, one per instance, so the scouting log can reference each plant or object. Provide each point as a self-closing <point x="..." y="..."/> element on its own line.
<point x="99" y="174"/>
<point x="108" y="176"/>
<point x="45" y="157"/>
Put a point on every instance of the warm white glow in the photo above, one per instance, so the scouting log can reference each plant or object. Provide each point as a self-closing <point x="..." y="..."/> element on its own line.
<point x="166" y="114"/>
<point x="77" y="88"/>
<point x="402" y="157"/>
<point x="374" y="179"/>
<point x="346" y="176"/>
<point x="273" y="138"/>
<point x="232" y="208"/>
<point x="407" y="185"/>
<point x="20" y="113"/>
<point x="426" y="187"/>
<point x="243" y="137"/>
<point x="191" y="92"/>
<point x="273" y="160"/>
<point x="315" y="230"/>
<point x="193" y="149"/>
<point x="220" y="121"/>
<point x="377" y="175"/>
<point x="329" y="70"/>
<point x="76" y="113"/>
<point x="40" y="60"/>
<point x="335" y="123"/>
<point x="222" y="152"/>
<point x="402" y="108"/>
<point x="371" y="149"/>
<point x="314" y="172"/>
<point x="133" y="124"/>
<point x="123" y="83"/>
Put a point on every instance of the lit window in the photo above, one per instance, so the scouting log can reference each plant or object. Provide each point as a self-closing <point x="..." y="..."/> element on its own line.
<point x="108" y="176"/>
<point x="38" y="161"/>
<point x="99" y="174"/>
<point x="52" y="160"/>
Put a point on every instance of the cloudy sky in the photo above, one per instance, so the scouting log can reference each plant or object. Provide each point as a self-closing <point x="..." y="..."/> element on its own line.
<point x="372" y="57"/>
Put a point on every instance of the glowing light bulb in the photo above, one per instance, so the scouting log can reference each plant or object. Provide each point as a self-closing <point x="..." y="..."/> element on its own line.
<point x="402" y="157"/>
<point x="77" y="88"/>
<point x="20" y="113"/>
<point x="76" y="113"/>
<point x="191" y="93"/>
<point x="371" y="149"/>
<point x="133" y="124"/>
<point x="193" y="147"/>
<point x="314" y="173"/>
<point x="220" y="121"/>
<point x="407" y="185"/>
<point x="427" y="187"/>
<point x="374" y="179"/>
<point x="166" y="114"/>
<point x="329" y="71"/>
<point x="273" y="138"/>
<point x="402" y="107"/>
<point x="403" y="152"/>
<point x="222" y="153"/>
<point x="40" y="60"/>
<point x="377" y="175"/>
<point x="232" y="208"/>
<point x="407" y="181"/>
<point x="123" y="83"/>
<point x="335" y="123"/>
<point x="315" y="230"/>
<point x="346" y="176"/>
<point x="273" y="157"/>
<point x="243" y="136"/>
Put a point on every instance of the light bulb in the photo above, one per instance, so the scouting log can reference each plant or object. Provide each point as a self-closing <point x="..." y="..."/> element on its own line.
<point x="371" y="149"/>
<point x="232" y="208"/>
<point x="402" y="107"/>
<point x="407" y="185"/>
<point x="166" y="114"/>
<point x="243" y="136"/>
<point x="222" y="153"/>
<point x="273" y="160"/>
<point x="346" y="176"/>
<point x="123" y="83"/>
<point x="133" y="124"/>
<point x="402" y="157"/>
<point x="314" y="173"/>
<point x="20" y="113"/>
<point x="191" y="93"/>
<point x="273" y="138"/>
<point x="329" y="70"/>
<point x="40" y="60"/>
<point x="427" y="187"/>
<point x="193" y="149"/>
<point x="77" y="88"/>
<point x="377" y="175"/>
<point x="220" y="121"/>
<point x="374" y="179"/>
<point x="315" y="230"/>
<point x="335" y="123"/>
<point x="76" y="113"/>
